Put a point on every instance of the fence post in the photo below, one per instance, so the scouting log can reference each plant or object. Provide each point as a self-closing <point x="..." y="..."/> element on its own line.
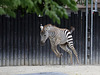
<point x="86" y="31"/>
<point x="1" y="40"/>
<point x="91" y="28"/>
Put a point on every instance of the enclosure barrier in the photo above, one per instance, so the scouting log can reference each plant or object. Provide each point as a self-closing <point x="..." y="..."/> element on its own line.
<point x="20" y="40"/>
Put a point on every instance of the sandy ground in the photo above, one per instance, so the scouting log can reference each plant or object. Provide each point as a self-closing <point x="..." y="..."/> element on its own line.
<point x="70" y="70"/>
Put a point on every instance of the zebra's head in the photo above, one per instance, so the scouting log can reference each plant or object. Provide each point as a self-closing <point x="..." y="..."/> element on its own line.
<point x="44" y="33"/>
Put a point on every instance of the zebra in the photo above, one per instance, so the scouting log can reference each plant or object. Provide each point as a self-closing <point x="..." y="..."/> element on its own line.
<point x="58" y="36"/>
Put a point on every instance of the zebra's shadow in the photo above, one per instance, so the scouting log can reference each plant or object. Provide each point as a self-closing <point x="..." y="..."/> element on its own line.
<point x="45" y="73"/>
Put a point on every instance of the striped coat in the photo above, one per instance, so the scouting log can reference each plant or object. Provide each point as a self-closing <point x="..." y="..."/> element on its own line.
<point x="59" y="36"/>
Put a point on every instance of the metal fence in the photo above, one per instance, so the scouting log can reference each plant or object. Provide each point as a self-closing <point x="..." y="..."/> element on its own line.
<point x="96" y="41"/>
<point x="20" y="40"/>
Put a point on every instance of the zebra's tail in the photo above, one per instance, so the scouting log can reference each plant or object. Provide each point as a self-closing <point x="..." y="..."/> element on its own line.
<point x="72" y="29"/>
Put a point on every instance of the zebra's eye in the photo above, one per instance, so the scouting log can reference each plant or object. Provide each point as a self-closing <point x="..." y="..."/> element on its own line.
<point x="44" y="35"/>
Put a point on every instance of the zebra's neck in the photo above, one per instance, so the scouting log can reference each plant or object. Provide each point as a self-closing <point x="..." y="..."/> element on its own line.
<point x="52" y="32"/>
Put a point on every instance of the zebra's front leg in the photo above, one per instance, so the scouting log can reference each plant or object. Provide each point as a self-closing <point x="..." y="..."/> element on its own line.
<point x="54" y="49"/>
<point x="60" y="54"/>
<point x="57" y="43"/>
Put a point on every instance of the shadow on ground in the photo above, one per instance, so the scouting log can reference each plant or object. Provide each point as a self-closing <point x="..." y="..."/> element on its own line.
<point x="45" y="73"/>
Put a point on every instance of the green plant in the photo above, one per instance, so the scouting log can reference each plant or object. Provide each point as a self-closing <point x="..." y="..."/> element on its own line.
<point x="53" y="8"/>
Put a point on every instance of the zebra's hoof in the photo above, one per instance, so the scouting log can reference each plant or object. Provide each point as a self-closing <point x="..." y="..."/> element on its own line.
<point x="61" y="54"/>
<point x="58" y="56"/>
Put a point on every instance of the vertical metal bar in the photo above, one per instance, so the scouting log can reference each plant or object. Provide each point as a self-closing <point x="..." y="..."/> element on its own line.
<point x="41" y="51"/>
<point x="1" y="41"/>
<point x="80" y="36"/>
<point x="86" y="31"/>
<point x="22" y="40"/>
<point x="12" y="40"/>
<point x="15" y="42"/>
<point x="95" y="5"/>
<point x="83" y="34"/>
<point x="19" y="39"/>
<point x="30" y="40"/>
<point x="8" y="41"/>
<point x="4" y="42"/>
<point x="91" y="28"/>
<point x="34" y="37"/>
<point x="36" y="41"/>
<point x="26" y="39"/>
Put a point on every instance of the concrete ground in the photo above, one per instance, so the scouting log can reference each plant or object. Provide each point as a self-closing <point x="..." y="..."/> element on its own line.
<point x="67" y="70"/>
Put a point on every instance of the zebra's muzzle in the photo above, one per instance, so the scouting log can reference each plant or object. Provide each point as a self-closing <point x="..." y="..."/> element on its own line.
<point x="42" y="43"/>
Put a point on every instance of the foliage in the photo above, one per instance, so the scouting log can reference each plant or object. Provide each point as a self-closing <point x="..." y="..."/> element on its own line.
<point x="53" y="8"/>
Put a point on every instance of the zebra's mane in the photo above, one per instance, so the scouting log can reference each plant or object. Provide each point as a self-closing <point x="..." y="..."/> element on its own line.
<point x="52" y="26"/>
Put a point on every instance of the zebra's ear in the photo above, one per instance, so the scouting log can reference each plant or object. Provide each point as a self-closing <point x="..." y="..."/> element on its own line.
<point x="41" y="27"/>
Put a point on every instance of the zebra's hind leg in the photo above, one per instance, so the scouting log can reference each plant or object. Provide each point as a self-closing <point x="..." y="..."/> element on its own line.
<point x="74" y="51"/>
<point x="65" y="48"/>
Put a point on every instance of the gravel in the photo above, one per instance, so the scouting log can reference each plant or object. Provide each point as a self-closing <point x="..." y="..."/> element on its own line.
<point x="69" y="70"/>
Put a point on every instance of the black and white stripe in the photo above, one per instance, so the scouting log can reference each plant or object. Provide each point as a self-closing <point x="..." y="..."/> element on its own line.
<point x="69" y="36"/>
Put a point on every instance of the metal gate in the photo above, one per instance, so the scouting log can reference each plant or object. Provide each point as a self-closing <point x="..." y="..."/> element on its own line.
<point x="20" y="40"/>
